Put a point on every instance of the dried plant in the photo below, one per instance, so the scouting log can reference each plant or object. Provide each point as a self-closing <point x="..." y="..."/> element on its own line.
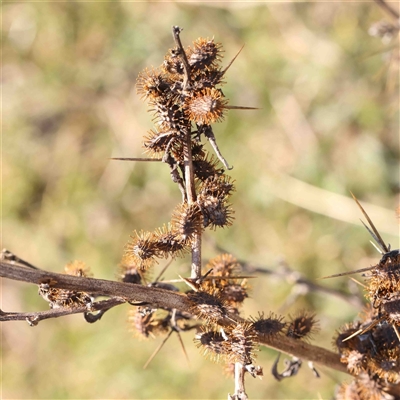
<point x="185" y="96"/>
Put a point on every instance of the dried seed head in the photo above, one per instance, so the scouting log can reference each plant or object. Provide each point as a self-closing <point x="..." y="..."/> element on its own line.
<point x="178" y="150"/>
<point x="207" y="306"/>
<point x="146" y="323"/>
<point x="347" y="391"/>
<point x="206" y="106"/>
<point x="142" y="250"/>
<point x="355" y="361"/>
<point x="156" y="142"/>
<point x="152" y="84"/>
<point x="212" y="343"/>
<point x="361" y="388"/>
<point x="58" y="298"/>
<point x="234" y="294"/>
<point x="77" y="268"/>
<point x="216" y="212"/>
<point x="233" y="291"/>
<point x="302" y="326"/>
<point x="224" y="265"/>
<point x="206" y="54"/>
<point x="344" y="332"/>
<point x="391" y="310"/>
<point x="207" y="79"/>
<point x="269" y="326"/>
<point x="385" y="279"/>
<point x="169" y="116"/>
<point x="187" y="221"/>
<point x="370" y="388"/>
<point x="130" y="272"/>
<point x="205" y="168"/>
<point x="132" y="275"/>
<point x="373" y="350"/>
<point x="173" y="65"/>
<point x="386" y="364"/>
<point x="243" y="340"/>
<point x="384" y="335"/>
<point x="169" y="242"/>
<point x="220" y="186"/>
<point x="140" y="319"/>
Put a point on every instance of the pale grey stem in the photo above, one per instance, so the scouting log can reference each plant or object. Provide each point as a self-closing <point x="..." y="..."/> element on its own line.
<point x="196" y="257"/>
<point x="240" y="392"/>
<point x="191" y="198"/>
<point x="208" y="132"/>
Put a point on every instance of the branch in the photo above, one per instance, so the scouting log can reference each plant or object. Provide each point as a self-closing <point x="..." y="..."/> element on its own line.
<point x="209" y="134"/>
<point x="157" y="297"/>
<point x="303" y="350"/>
<point x="130" y="292"/>
<point x="33" y="318"/>
<point x="188" y="159"/>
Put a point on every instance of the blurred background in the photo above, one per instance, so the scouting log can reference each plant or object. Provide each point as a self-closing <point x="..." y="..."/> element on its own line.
<point x="327" y="124"/>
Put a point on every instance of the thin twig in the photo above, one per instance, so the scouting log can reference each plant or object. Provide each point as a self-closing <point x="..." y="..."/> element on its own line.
<point x="33" y="318"/>
<point x="13" y="259"/>
<point x="186" y="67"/>
<point x="196" y="257"/>
<point x="209" y="134"/>
<point x="189" y="172"/>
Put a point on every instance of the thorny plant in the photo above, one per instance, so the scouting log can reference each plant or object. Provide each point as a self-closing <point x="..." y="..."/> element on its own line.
<point x="186" y="98"/>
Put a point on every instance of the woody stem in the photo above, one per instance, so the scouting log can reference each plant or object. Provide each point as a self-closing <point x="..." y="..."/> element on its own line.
<point x="188" y="161"/>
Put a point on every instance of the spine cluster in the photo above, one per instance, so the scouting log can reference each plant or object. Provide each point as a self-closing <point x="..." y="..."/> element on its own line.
<point x="184" y="94"/>
<point x="58" y="298"/>
<point x="370" y="347"/>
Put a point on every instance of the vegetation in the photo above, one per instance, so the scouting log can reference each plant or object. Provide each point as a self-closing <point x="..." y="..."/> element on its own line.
<point x="325" y="127"/>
